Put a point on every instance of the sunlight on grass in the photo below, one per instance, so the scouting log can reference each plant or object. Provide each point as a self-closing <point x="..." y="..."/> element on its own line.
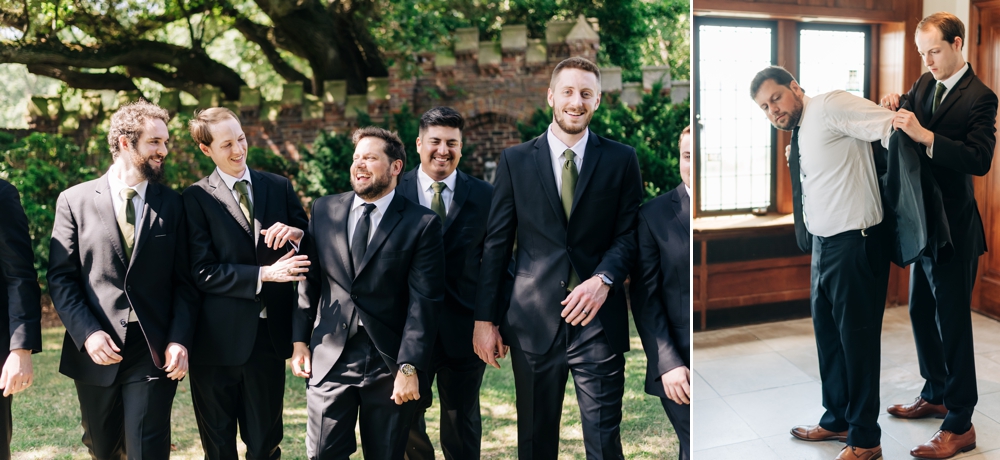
<point x="47" y="416"/>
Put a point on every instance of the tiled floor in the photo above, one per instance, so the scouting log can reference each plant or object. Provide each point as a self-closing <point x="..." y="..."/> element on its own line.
<point x="753" y="383"/>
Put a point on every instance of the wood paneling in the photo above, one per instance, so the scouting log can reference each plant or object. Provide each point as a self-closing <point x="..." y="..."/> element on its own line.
<point x="891" y="40"/>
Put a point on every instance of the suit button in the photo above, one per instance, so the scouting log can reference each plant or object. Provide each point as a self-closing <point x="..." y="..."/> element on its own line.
<point x="569" y="248"/>
<point x="128" y="288"/>
<point x="354" y="297"/>
<point x="343" y="325"/>
<point x="124" y="324"/>
<point x="562" y="284"/>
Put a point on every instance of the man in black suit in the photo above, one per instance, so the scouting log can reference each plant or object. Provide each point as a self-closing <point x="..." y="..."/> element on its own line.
<point x="661" y="297"/>
<point x="953" y="114"/>
<point x="463" y="203"/>
<point x="243" y="227"/>
<point x="366" y="324"/>
<point x="21" y="299"/>
<point x="571" y="198"/>
<point x="120" y="281"/>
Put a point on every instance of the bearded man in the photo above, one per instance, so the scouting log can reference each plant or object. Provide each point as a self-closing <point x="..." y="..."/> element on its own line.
<point x="121" y="283"/>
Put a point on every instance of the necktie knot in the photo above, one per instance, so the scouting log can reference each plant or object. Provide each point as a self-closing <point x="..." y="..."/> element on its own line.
<point x="569" y="155"/>
<point x="128" y="193"/>
<point x="369" y="207"/>
<point x="241" y="186"/>
<point x="439" y="187"/>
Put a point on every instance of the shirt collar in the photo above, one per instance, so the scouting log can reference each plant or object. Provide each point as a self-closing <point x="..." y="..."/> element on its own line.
<point x="426" y="181"/>
<point x="117" y="185"/>
<point x="557" y="148"/>
<point x="951" y="81"/>
<point x="805" y="104"/>
<point x="381" y="204"/>
<point x="231" y="181"/>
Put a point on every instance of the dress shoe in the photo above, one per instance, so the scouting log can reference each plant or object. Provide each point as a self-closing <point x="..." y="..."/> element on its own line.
<point x="859" y="453"/>
<point x="946" y="444"/>
<point x="919" y="408"/>
<point x="817" y="433"/>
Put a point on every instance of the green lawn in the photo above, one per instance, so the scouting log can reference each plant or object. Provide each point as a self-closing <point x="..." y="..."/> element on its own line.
<point x="47" y="416"/>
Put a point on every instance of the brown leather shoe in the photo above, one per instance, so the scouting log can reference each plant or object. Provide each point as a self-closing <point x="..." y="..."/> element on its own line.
<point x="919" y="408"/>
<point x="817" y="433"/>
<point x="946" y="444"/>
<point x="860" y="453"/>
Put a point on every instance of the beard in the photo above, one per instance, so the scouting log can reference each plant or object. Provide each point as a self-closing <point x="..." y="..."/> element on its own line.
<point x="570" y="129"/>
<point x="377" y="187"/>
<point x="791" y="118"/>
<point x="148" y="171"/>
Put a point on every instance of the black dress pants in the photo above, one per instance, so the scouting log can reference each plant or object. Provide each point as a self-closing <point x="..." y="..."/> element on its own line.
<point x="458" y="382"/>
<point x="850" y="275"/>
<point x="941" y="315"/>
<point x="131" y="417"/>
<point x="680" y="418"/>
<point x="540" y="384"/>
<point x="250" y="396"/>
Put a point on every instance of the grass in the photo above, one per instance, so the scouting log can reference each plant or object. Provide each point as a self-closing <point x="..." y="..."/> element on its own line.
<point x="47" y="416"/>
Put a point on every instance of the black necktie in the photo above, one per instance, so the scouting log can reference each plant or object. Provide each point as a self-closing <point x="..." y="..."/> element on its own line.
<point x="802" y="236"/>
<point x="938" y="93"/>
<point x="360" y="243"/>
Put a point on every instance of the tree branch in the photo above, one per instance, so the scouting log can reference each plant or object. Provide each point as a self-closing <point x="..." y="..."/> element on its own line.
<point x="83" y="80"/>
<point x="260" y="35"/>
<point x="168" y="79"/>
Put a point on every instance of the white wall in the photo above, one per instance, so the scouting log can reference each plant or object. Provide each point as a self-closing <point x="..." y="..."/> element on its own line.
<point x="959" y="8"/>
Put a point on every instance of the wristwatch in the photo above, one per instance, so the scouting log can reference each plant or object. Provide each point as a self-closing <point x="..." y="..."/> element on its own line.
<point x="604" y="279"/>
<point x="407" y="369"/>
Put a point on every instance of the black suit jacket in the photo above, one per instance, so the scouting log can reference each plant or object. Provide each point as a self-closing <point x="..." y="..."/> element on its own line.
<point x="226" y="256"/>
<point x="964" y="138"/>
<point x="21" y="296"/>
<point x="93" y="285"/>
<point x="397" y="291"/>
<point x="464" y="231"/>
<point x="599" y="237"/>
<point x="661" y="285"/>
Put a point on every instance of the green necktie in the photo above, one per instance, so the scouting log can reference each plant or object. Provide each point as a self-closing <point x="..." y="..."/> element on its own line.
<point x="938" y="93"/>
<point x="126" y="221"/>
<point x="245" y="205"/>
<point x="569" y="176"/>
<point x="437" y="201"/>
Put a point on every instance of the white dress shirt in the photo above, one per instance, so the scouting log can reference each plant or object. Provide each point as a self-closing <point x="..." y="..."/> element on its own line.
<point x="556" y="149"/>
<point x="427" y="191"/>
<point x="358" y="210"/>
<point x="138" y="201"/>
<point x="839" y="186"/>
<point x="949" y="83"/>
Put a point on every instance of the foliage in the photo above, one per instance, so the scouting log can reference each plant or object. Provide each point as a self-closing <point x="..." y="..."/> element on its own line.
<point x="652" y="127"/>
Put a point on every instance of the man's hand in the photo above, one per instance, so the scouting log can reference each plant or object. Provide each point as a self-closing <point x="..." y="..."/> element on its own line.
<point x="487" y="343"/>
<point x="177" y="361"/>
<point x="788" y="152"/>
<point x="289" y="267"/>
<point x="582" y="304"/>
<point x="17" y="373"/>
<point x="677" y="385"/>
<point x="301" y="362"/>
<point x="102" y="349"/>
<point x="405" y="388"/>
<point x="279" y="234"/>
<point x="907" y="121"/>
<point x="890" y="101"/>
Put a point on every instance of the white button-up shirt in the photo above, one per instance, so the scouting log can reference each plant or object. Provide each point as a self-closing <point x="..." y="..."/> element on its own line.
<point x="557" y="148"/>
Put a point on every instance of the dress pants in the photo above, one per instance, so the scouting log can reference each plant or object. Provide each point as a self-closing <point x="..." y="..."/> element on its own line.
<point x="458" y="381"/>
<point x="940" y="311"/>
<point x="6" y="427"/>
<point x="360" y="381"/>
<point x="850" y="275"/>
<point x="250" y="395"/>
<point x="540" y="384"/>
<point x="131" y="417"/>
<point x="680" y="418"/>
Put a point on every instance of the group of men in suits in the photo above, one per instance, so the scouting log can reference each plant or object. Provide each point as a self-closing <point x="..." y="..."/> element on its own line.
<point x="408" y="278"/>
<point x="950" y="116"/>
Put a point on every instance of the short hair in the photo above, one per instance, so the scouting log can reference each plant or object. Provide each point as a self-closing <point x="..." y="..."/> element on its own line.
<point x="393" y="146"/>
<point x="441" y="116"/>
<point x="950" y="26"/>
<point x="575" y="62"/>
<point x="776" y="73"/>
<point x="129" y="121"/>
<point x="201" y="125"/>
<point x="684" y="132"/>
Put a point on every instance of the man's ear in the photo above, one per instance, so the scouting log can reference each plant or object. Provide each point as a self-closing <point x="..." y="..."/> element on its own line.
<point x="204" y="149"/>
<point x="397" y="167"/>
<point x="123" y="144"/>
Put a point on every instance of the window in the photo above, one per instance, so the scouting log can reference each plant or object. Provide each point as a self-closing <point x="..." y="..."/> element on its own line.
<point x="735" y="164"/>
<point x="834" y="57"/>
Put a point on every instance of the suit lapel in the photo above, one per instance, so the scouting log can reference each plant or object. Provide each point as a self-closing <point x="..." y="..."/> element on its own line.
<point x="393" y="214"/>
<point x="150" y="212"/>
<point x="591" y="158"/>
<point x="105" y="208"/>
<point x="409" y="186"/>
<point x="543" y="164"/>
<point x="680" y="199"/>
<point x="954" y="95"/>
<point x="340" y="211"/>
<point x="457" y="200"/>
<point x="224" y="195"/>
<point x="260" y="185"/>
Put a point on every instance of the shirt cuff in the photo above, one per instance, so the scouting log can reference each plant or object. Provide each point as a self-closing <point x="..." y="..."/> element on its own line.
<point x="260" y="277"/>
<point x="930" y="150"/>
<point x="294" y="246"/>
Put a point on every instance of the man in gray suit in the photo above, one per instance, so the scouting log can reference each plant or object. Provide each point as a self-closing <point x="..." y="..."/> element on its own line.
<point x="120" y="281"/>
